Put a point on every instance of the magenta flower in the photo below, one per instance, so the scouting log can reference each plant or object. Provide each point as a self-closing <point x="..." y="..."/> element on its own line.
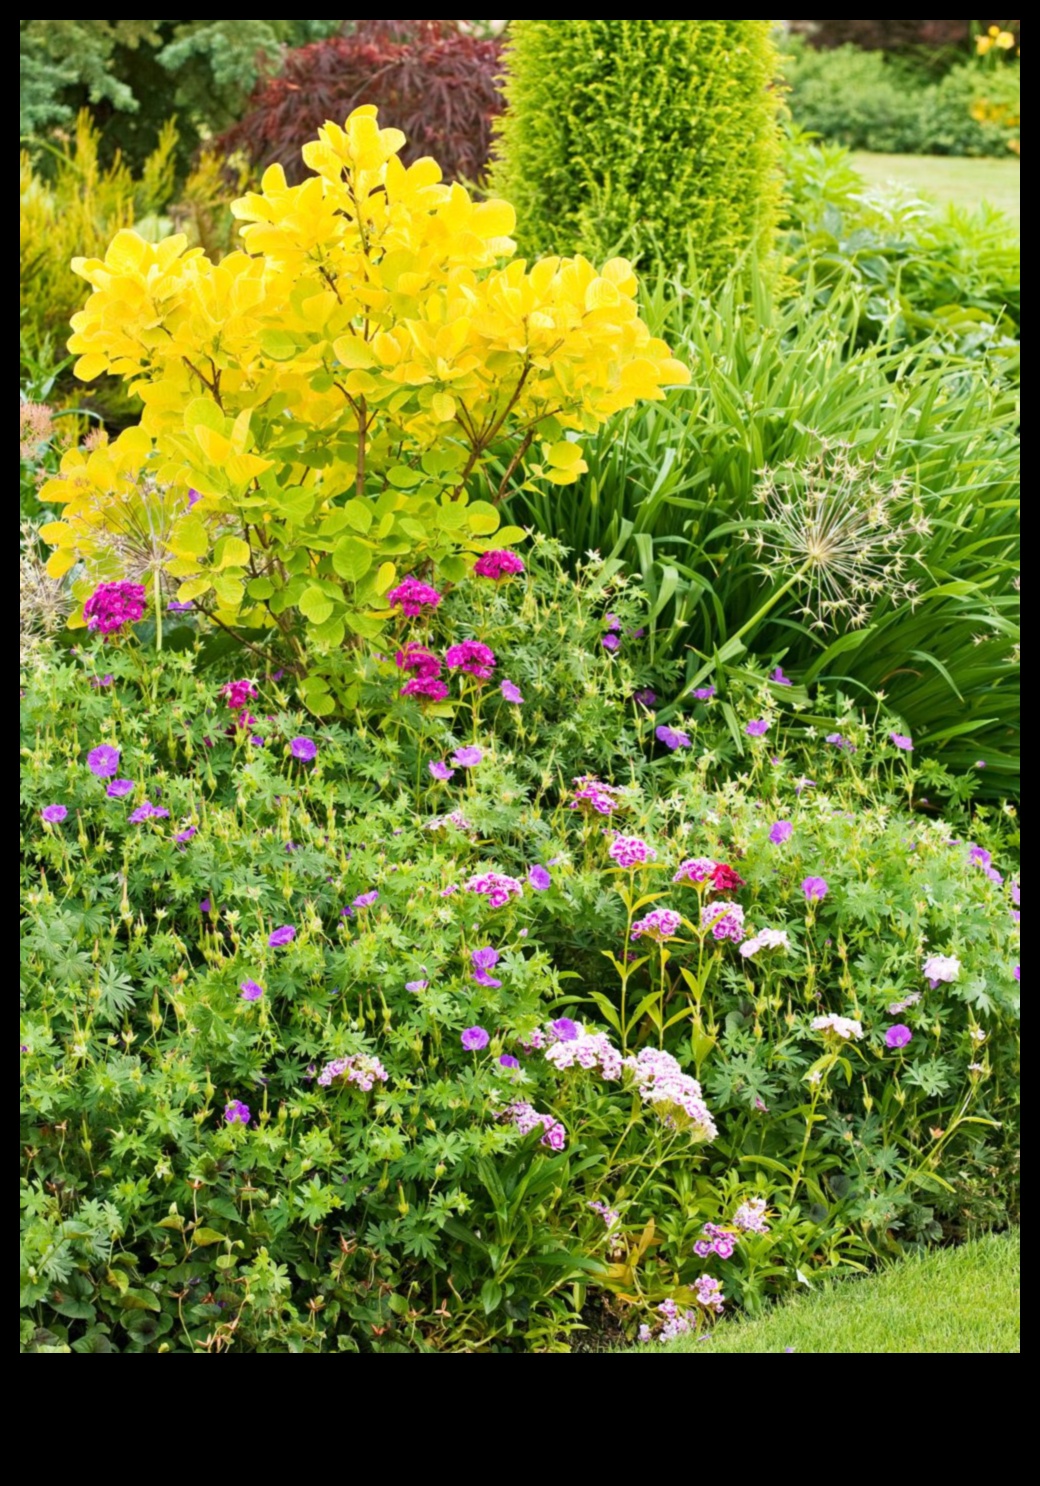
<point x="148" y="811"/>
<point x="696" y="869"/>
<point x="54" y="814"/>
<point x="980" y="856"/>
<point x="278" y="938"/>
<point x="472" y="657"/>
<point x="205" y="906"/>
<point x="483" y="961"/>
<point x="672" y="738"/>
<point x="176" y="607"/>
<point x="1017" y="972"/>
<point x="186" y="834"/>
<point x="427" y="688"/>
<point x="630" y="851"/>
<point x="815" y="889"/>
<point x="781" y="831"/>
<point x="250" y="991"/>
<point x="611" y="621"/>
<point x="305" y="749"/>
<point x="659" y="924"/>
<point x="412" y="597"/>
<point x="439" y="769"/>
<point x="902" y="741"/>
<point x="508" y="1061"/>
<point x="757" y="727"/>
<point x="416" y="985"/>
<point x="779" y="678"/>
<point x="421" y="662"/>
<point x="103" y="680"/>
<point x="474" y="1038"/>
<point x="112" y="605"/>
<point x="467" y="757"/>
<point x="498" y="564"/>
<point x="704" y="693"/>
<point x="725" y="920"/>
<point x="194" y="496"/>
<point x="538" y="877"/>
<point x="365" y="900"/>
<point x="117" y="788"/>
<point x="645" y="697"/>
<point x="238" y="693"/>
<point x="512" y="693"/>
<point x="237" y="1113"/>
<point x="103" y="760"/>
<point x="565" y="1029"/>
<point x="898" y="1036"/>
<point x="838" y="741"/>
<point x="610" y="642"/>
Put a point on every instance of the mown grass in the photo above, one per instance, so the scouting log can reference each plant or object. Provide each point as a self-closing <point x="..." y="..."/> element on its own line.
<point x="953" y="1300"/>
<point x="966" y="182"/>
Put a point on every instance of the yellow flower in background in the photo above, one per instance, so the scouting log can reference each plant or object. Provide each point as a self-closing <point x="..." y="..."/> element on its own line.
<point x="1005" y="41"/>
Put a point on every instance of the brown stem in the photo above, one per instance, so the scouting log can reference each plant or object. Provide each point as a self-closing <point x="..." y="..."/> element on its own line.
<point x="521" y="451"/>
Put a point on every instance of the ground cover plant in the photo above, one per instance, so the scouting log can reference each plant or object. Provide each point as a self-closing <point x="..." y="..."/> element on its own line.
<point x="930" y="1303"/>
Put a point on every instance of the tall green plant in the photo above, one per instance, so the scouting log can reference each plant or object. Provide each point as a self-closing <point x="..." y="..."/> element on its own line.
<point x="670" y="493"/>
<point x="641" y="136"/>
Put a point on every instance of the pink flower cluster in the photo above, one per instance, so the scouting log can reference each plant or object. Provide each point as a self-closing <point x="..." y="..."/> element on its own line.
<point x="412" y="597"/>
<point x="471" y="656"/>
<point x="660" y="923"/>
<point x="726" y="920"/>
<point x="498" y="564"/>
<point x="425" y="671"/>
<point x="593" y="794"/>
<point x="709" y="1293"/>
<point x="496" y="887"/>
<point x="630" y="851"/>
<point x="112" y="605"/>
<point x="674" y="1095"/>
<point x="591" y="1050"/>
<point x="358" y="1069"/>
<point x="526" y="1118"/>
<point x="238" y="693"/>
<point x="750" y="1216"/>
<point x="696" y="870"/>
<point x="717" y="1241"/>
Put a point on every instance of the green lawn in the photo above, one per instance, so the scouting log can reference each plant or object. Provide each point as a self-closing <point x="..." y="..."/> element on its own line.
<point x="953" y="1300"/>
<point x="948" y="177"/>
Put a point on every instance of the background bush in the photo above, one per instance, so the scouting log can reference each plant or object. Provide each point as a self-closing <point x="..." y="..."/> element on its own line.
<point x="411" y="1216"/>
<point x="428" y="78"/>
<point x="652" y="138"/>
<point x="866" y="101"/>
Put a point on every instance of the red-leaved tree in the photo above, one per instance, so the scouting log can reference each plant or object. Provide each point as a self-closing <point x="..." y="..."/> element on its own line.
<point x="437" y="84"/>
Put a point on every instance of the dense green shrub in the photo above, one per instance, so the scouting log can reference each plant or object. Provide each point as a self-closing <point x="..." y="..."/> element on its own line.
<point x="865" y="101"/>
<point x="428" y="78"/>
<point x="653" y="138"/>
<point x="159" y="1214"/>
<point x="134" y="74"/>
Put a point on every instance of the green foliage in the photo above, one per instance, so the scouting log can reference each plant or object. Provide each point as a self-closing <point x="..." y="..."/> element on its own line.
<point x="866" y="100"/>
<point x="136" y="73"/>
<point x="957" y="1300"/>
<point x="655" y="138"/>
<point x="413" y="1216"/>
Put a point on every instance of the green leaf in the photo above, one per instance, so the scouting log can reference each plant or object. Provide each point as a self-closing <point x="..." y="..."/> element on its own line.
<point x="490" y="1296"/>
<point x="316" y="605"/>
<point x="260" y="588"/>
<point x="351" y="559"/>
<point x="203" y="1236"/>
<point x="279" y="345"/>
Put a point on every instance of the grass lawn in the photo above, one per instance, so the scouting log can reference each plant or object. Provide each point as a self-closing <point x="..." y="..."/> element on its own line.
<point x="954" y="1300"/>
<point x="948" y="177"/>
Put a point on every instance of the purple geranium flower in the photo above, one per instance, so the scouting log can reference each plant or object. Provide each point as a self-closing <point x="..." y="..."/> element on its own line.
<point x="672" y="738"/>
<point x="898" y="1036"/>
<point x="102" y="680"/>
<point x="757" y="727"/>
<point x="54" y="814"/>
<point x="610" y="642"/>
<point x="250" y="991"/>
<point x="440" y="770"/>
<point x="704" y="693"/>
<point x="103" y="761"/>
<point x="474" y="1038"/>
<point x="148" y="811"/>
<point x="645" y="697"/>
<point x="467" y="757"/>
<point x="902" y="741"/>
<point x="205" y="906"/>
<point x="538" y="877"/>
<point x="565" y="1029"/>
<point x="237" y="1113"/>
<point x="814" y="888"/>
<point x="175" y="607"/>
<point x="280" y="937"/>
<point x="508" y="1061"/>
<point x="512" y="693"/>
<point x="186" y="834"/>
<point x="304" y="749"/>
<point x="365" y="900"/>
<point x="484" y="960"/>
<point x="416" y="985"/>
<point x="980" y="856"/>
<point x="779" y="678"/>
<point x="117" y="788"/>
<point x="781" y="831"/>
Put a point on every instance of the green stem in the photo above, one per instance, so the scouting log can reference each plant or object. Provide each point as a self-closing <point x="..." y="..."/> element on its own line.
<point x="158" y="610"/>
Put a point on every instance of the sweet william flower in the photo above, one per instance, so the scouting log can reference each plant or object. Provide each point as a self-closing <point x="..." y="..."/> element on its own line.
<point x="498" y="564"/>
<point x="412" y="597"/>
<point x="113" y="605"/>
<point x="471" y="657"/>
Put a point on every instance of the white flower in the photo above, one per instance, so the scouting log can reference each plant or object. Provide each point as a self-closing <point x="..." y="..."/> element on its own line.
<point x="841" y="1026"/>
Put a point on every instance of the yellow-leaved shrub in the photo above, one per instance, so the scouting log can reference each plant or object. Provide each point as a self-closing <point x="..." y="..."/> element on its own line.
<point x="331" y="390"/>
